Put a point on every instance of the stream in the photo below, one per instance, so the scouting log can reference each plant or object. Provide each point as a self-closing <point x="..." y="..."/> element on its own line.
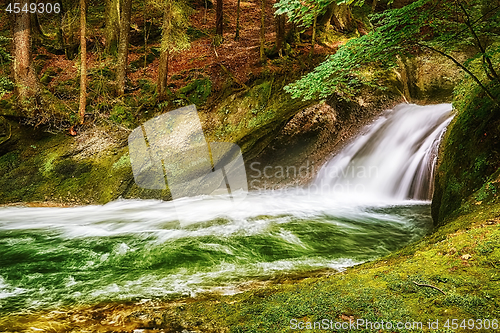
<point x="369" y="200"/>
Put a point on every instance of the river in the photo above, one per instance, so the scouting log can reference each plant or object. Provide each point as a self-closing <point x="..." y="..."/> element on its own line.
<point x="369" y="200"/>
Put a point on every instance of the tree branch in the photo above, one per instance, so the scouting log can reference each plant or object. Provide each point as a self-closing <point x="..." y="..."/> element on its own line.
<point x="474" y="77"/>
<point x="430" y="286"/>
<point x="478" y="43"/>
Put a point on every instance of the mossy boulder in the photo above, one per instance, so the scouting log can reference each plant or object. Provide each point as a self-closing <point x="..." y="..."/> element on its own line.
<point x="470" y="156"/>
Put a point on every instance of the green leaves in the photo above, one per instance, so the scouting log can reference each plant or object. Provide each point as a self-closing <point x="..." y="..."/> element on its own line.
<point x="439" y="24"/>
<point x="6" y="85"/>
<point x="302" y="12"/>
<point x="4" y="55"/>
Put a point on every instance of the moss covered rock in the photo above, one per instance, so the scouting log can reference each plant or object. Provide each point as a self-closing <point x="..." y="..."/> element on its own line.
<point x="470" y="158"/>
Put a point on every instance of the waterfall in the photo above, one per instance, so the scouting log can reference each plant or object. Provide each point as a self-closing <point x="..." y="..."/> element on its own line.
<point x="393" y="158"/>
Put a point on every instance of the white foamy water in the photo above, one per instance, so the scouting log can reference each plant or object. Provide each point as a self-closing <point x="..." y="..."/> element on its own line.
<point x="393" y="159"/>
<point x="171" y="221"/>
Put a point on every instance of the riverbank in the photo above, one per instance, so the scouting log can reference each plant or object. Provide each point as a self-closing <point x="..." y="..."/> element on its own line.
<point x="270" y="128"/>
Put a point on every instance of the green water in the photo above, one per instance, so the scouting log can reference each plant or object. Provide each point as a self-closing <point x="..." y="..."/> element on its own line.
<point x="133" y="250"/>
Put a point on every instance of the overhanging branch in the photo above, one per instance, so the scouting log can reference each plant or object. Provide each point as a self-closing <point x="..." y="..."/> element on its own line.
<point x="465" y="69"/>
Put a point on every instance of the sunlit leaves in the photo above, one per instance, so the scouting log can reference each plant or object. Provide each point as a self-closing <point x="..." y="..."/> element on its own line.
<point x="400" y="32"/>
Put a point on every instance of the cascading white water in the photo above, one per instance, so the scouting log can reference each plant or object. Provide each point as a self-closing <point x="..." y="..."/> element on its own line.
<point x="393" y="160"/>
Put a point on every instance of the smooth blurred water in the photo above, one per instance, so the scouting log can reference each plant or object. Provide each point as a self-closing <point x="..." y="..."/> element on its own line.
<point x="393" y="158"/>
<point x="142" y="249"/>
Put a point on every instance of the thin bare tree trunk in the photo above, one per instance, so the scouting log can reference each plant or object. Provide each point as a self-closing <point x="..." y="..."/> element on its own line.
<point x="165" y="53"/>
<point x="280" y="33"/>
<point x="36" y="27"/>
<point x="60" y="32"/>
<point x="313" y="37"/>
<point x="238" y="9"/>
<point x="219" y="18"/>
<point x="112" y="21"/>
<point x="123" y="46"/>
<point x="24" y="72"/>
<point x="83" y="59"/>
<point x="486" y="60"/>
<point x="262" y="30"/>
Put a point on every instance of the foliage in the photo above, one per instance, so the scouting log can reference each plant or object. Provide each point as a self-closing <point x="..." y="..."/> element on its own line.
<point x="122" y="115"/>
<point x="441" y="26"/>
<point x="469" y="161"/>
<point x="303" y="13"/>
<point x="177" y="39"/>
<point x="4" y="55"/>
<point x="6" y="85"/>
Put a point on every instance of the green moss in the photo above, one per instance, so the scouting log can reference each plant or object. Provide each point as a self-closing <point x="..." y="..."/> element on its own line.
<point x="248" y="117"/>
<point x="196" y="92"/>
<point x="124" y="161"/>
<point x="123" y="115"/>
<point x="470" y="153"/>
<point x="48" y="164"/>
<point x="68" y="89"/>
<point x="146" y="86"/>
<point x="195" y="33"/>
<point x="141" y="62"/>
<point x="261" y="118"/>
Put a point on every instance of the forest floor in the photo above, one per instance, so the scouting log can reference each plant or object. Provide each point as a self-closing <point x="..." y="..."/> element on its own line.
<point x="240" y="57"/>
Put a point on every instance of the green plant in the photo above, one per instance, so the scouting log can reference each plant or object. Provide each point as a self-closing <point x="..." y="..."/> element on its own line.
<point x="122" y="115"/>
<point x="6" y="85"/>
<point x="439" y="26"/>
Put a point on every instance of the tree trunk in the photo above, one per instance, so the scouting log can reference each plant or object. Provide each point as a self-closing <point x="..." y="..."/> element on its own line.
<point x="165" y="52"/>
<point x="238" y="8"/>
<point x="163" y="75"/>
<point x="342" y="18"/>
<point x="123" y="46"/>
<point x="323" y="21"/>
<point x="112" y="30"/>
<point x="24" y="72"/>
<point x="293" y="35"/>
<point x="60" y="32"/>
<point x="219" y="19"/>
<point x="83" y="59"/>
<point x="36" y="27"/>
<point x="280" y="34"/>
<point x="334" y="20"/>
<point x="262" y="30"/>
